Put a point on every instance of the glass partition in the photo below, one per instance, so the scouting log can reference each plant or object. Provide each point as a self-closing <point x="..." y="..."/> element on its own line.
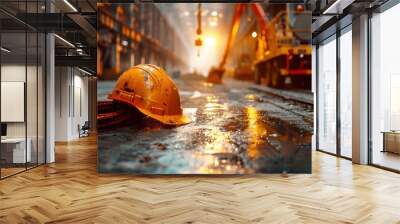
<point x="385" y="89"/>
<point x="14" y="145"/>
<point x="31" y="97"/>
<point x="22" y="90"/>
<point x="327" y="96"/>
<point x="346" y="93"/>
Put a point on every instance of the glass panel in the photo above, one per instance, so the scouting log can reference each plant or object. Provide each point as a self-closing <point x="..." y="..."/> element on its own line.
<point x="31" y="97"/>
<point x="41" y="99"/>
<point x="346" y="94"/>
<point x="313" y="88"/>
<point x="22" y="80"/>
<point x="32" y="88"/>
<point x="385" y="84"/>
<point x="13" y="86"/>
<point x="14" y="153"/>
<point x="40" y="7"/>
<point x="327" y="96"/>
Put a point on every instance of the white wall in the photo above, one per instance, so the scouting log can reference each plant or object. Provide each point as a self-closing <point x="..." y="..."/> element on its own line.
<point x="15" y="72"/>
<point x="346" y="74"/>
<point x="62" y="82"/>
<point x="71" y="102"/>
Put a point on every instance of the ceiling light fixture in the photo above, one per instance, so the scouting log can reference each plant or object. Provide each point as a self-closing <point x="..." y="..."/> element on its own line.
<point x="65" y="41"/>
<point x="333" y="6"/>
<point x="84" y="71"/>
<point x="70" y="5"/>
<point x="337" y="7"/>
<point x="5" y="50"/>
<point x="79" y="51"/>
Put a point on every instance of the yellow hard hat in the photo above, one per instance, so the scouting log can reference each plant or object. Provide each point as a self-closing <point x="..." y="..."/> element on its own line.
<point x="149" y="88"/>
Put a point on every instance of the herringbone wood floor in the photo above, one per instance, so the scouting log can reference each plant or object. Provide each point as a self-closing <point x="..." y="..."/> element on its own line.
<point x="71" y="191"/>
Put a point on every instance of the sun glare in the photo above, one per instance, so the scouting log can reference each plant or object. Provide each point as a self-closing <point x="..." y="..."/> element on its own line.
<point x="209" y="41"/>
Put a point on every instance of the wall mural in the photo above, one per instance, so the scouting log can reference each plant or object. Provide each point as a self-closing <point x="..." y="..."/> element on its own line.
<point x="206" y="88"/>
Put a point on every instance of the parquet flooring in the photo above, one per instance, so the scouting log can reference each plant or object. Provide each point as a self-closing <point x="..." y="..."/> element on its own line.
<point x="71" y="191"/>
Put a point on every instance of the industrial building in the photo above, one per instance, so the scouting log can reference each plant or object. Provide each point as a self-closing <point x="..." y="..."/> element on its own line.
<point x="335" y="93"/>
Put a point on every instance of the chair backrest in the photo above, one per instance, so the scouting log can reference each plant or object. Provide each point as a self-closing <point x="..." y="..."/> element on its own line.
<point x="86" y="125"/>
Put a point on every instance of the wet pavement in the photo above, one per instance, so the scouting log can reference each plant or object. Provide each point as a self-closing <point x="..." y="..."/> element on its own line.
<point x="235" y="130"/>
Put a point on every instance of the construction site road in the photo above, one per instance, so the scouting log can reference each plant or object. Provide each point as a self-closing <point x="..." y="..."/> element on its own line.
<point x="235" y="129"/>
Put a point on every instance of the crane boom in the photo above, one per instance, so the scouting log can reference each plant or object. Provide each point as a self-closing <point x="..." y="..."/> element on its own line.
<point x="239" y="8"/>
<point x="215" y="74"/>
<point x="262" y="18"/>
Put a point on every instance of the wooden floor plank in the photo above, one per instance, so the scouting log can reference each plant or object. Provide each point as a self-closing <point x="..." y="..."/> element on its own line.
<point x="71" y="191"/>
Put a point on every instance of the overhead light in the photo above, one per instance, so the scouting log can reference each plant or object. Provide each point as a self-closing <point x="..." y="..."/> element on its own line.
<point x="337" y="7"/>
<point x="254" y="34"/>
<point x="64" y="40"/>
<point x="70" y="5"/>
<point x="214" y="13"/>
<point x="5" y="50"/>
<point x="125" y="43"/>
<point x="79" y="51"/>
<point x="84" y="71"/>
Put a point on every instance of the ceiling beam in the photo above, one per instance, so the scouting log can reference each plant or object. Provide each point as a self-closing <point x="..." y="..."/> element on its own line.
<point x="81" y="61"/>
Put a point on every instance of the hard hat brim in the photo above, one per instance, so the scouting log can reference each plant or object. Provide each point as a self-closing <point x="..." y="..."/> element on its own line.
<point x="175" y="120"/>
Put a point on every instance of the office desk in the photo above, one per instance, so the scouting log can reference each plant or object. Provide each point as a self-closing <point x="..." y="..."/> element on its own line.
<point x="15" y="148"/>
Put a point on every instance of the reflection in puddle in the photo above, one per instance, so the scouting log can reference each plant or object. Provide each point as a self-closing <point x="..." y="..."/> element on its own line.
<point x="215" y="107"/>
<point x="219" y="141"/>
<point x="196" y="94"/>
<point x="222" y="163"/>
<point x="251" y="97"/>
<point x="212" y="99"/>
<point x="256" y="133"/>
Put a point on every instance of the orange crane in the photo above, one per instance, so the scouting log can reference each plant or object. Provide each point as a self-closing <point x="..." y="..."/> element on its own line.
<point x="283" y="49"/>
<point x="215" y="73"/>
